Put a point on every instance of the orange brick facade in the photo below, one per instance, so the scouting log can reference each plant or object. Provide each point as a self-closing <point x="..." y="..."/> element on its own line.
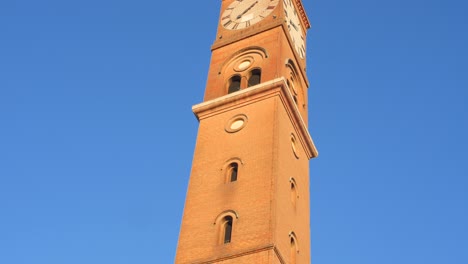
<point x="262" y="129"/>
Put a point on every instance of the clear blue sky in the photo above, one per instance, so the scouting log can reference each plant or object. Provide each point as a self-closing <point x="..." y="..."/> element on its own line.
<point x="97" y="134"/>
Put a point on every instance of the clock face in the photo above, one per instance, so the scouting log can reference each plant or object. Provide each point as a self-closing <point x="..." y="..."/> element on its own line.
<point x="244" y="13"/>
<point x="294" y="27"/>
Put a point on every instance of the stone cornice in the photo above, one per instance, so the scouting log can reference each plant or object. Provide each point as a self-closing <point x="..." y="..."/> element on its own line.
<point x="252" y="251"/>
<point x="276" y="87"/>
<point x="301" y="10"/>
<point x="254" y="30"/>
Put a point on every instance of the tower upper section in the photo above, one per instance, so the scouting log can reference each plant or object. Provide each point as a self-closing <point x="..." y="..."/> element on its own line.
<point x="259" y="41"/>
<point x="242" y="18"/>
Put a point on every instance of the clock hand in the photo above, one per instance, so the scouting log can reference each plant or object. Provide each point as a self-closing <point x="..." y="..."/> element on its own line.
<point x="247" y="10"/>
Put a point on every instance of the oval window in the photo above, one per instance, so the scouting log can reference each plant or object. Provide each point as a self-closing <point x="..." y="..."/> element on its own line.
<point x="236" y="123"/>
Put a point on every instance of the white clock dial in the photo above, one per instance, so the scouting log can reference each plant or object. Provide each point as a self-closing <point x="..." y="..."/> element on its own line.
<point x="244" y="13"/>
<point x="294" y="27"/>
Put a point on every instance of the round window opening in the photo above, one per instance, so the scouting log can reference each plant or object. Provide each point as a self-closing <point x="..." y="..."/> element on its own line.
<point x="243" y="63"/>
<point x="236" y="123"/>
<point x="293" y="146"/>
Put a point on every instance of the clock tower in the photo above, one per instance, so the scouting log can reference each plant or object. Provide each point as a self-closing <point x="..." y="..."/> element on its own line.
<point x="248" y="195"/>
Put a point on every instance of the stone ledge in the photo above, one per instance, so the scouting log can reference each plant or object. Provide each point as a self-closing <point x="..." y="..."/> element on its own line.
<point x="276" y="87"/>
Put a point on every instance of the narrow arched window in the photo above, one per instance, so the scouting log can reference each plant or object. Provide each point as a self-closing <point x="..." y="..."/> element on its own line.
<point x="232" y="172"/>
<point x="254" y="78"/>
<point x="227" y="229"/>
<point x="293" y="192"/>
<point x="293" y="250"/>
<point x="234" y="84"/>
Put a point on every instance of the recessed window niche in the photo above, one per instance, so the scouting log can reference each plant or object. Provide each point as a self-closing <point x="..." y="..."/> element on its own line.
<point x="294" y="145"/>
<point x="236" y="123"/>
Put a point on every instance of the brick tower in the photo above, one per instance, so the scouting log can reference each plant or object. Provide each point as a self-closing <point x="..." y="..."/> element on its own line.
<point x="248" y="195"/>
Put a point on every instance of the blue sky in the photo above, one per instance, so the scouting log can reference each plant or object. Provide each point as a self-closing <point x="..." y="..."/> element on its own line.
<point x="97" y="133"/>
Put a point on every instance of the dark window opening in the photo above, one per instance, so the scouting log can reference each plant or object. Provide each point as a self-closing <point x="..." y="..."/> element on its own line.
<point x="255" y="76"/>
<point x="293" y="251"/>
<point x="233" y="172"/>
<point x="293" y="193"/>
<point x="227" y="229"/>
<point x="234" y="84"/>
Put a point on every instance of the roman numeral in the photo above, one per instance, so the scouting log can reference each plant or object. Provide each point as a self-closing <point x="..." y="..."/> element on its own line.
<point x="227" y="23"/>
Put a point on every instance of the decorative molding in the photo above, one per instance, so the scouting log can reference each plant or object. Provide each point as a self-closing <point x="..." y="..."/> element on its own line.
<point x="303" y="14"/>
<point x="277" y="87"/>
<point x="278" y="254"/>
<point x="237" y="37"/>
<point x="249" y="252"/>
<point x="244" y="52"/>
<point x="225" y="213"/>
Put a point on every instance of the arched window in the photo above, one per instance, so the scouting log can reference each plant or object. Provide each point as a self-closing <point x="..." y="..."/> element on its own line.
<point x="294" y="194"/>
<point x="227" y="229"/>
<point x="224" y="223"/>
<point x="295" y="85"/>
<point x="232" y="172"/>
<point x="294" y="249"/>
<point x="244" y="65"/>
<point x="254" y="78"/>
<point x="234" y="84"/>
